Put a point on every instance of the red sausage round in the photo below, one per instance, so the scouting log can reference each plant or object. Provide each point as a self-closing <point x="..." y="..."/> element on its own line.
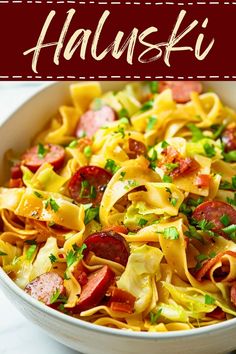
<point x="95" y="289"/>
<point x="136" y="148"/>
<point x="54" y="154"/>
<point x="181" y="90"/>
<point x="229" y="138"/>
<point x="45" y="286"/>
<point x="92" y="120"/>
<point x="212" y="211"/>
<point x="88" y="184"/>
<point x="109" y="245"/>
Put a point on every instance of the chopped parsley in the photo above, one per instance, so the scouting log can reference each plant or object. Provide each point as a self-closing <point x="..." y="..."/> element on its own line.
<point x="74" y="255"/>
<point x="111" y="166"/>
<point x="3" y="253"/>
<point x="122" y="175"/>
<point x="218" y="130"/>
<point x="55" y="296"/>
<point x="146" y="106"/>
<point x="225" y="219"/>
<point x="164" y="144"/>
<point x="123" y="113"/>
<point x="73" y="144"/>
<point x="167" y="179"/>
<point x="171" y="166"/>
<point x="171" y="233"/>
<point x="231" y="201"/>
<point x="229" y="229"/>
<point x="230" y="156"/>
<point x="153" y="85"/>
<point x="93" y="192"/>
<point x="174" y="201"/>
<point x="154" y="316"/>
<point x="225" y="185"/>
<point x="205" y="225"/>
<point x="52" y="203"/>
<point x="195" y="202"/>
<point x="203" y="257"/>
<point x="151" y="123"/>
<point x="121" y="130"/>
<point x="91" y="214"/>
<point x="192" y="233"/>
<point x="209" y="150"/>
<point x="38" y="195"/>
<point x="30" y="252"/>
<point x="88" y="151"/>
<point x="209" y="300"/>
<point x="142" y="222"/>
<point x="131" y="183"/>
<point x="197" y="134"/>
<point x="52" y="258"/>
<point x="41" y="151"/>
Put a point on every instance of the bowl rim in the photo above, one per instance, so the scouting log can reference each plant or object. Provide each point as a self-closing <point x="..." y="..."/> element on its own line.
<point x="138" y="335"/>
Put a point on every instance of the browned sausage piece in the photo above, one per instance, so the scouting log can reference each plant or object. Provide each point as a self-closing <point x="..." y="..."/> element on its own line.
<point x="92" y="120"/>
<point x="33" y="158"/>
<point x="88" y="184"/>
<point x="229" y="138"/>
<point x="44" y="287"/>
<point x="95" y="289"/>
<point x="212" y="211"/>
<point x="136" y="148"/>
<point x="109" y="245"/>
<point x="181" y="90"/>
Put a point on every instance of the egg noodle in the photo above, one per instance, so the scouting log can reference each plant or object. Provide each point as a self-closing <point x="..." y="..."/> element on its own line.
<point x="180" y="270"/>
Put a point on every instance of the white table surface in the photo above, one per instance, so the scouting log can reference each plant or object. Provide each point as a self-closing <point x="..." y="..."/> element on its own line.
<point x="18" y="335"/>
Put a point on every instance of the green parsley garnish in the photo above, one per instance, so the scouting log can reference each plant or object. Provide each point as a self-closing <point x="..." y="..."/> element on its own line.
<point x="151" y="123"/>
<point x="3" y="253"/>
<point x="174" y="201"/>
<point x="84" y="186"/>
<point x="88" y="151"/>
<point x="195" y="202"/>
<point x="30" y="252"/>
<point x="122" y="175"/>
<point x="121" y="130"/>
<point x="192" y="233"/>
<point x="164" y="144"/>
<point x="123" y="113"/>
<point x="93" y="192"/>
<point x="131" y="183"/>
<point x="154" y="156"/>
<point x="41" y="151"/>
<point x="153" y="85"/>
<point x="231" y="201"/>
<point x="218" y="131"/>
<point x="229" y="229"/>
<point x="227" y="185"/>
<point x="209" y="150"/>
<point x="197" y="134"/>
<point x="171" y="233"/>
<point x="52" y="258"/>
<point x="73" y="144"/>
<point x="91" y="214"/>
<point x="209" y="300"/>
<point x="38" y="195"/>
<point x="205" y="225"/>
<point x="154" y="316"/>
<point x="167" y="179"/>
<point x="230" y="156"/>
<point x="171" y="166"/>
<point x="225" y="219"/>
<point x="52" y="203"/>
<point x="74" y="255"/>
<point x="146" y="106"/>
<point x="142" y="222"/>
<point x="55" y="296"/>
<point x="111" y="166"/>
<point x="234" y="182"/>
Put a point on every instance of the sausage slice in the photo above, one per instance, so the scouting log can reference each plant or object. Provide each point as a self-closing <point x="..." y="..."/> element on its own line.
<point x="181" y="90"/>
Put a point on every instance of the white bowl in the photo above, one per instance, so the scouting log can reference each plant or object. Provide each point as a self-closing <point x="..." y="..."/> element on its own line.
<point x="16" y="133"/>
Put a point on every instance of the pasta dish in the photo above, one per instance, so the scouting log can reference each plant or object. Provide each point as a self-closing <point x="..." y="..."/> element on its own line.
<point x="122" y="213"/>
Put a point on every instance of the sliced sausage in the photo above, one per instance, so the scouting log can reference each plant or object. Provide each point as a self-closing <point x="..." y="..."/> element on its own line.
<point x="233" y="294"/>
<point x="202" y="181"/>
<point x="80" y="274"/>
<point x="93" y="292"/>
<point x="211" y="262"/>
<point x="88" y="184"/>
<point x="16" y="171"/>
<point x="121" y="300"/>
<point x="54" y="154"/>
<point x="136" y="148"/>
<point x="229" y="138"/>
<point x="109" y="245"/>
<point x="181" y="90"/>
<point x="218" y="314"/>
<point x="16" y="183"/>
<point x="44" y="287"/>
<point x="92" y="120"/>
<point x="212" y="211"/>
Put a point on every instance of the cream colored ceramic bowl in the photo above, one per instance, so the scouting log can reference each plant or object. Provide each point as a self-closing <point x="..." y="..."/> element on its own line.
<point x="16" y="133"/>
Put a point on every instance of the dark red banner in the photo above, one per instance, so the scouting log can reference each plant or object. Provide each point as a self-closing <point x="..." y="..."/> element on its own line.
<point x="59" y="40"/>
